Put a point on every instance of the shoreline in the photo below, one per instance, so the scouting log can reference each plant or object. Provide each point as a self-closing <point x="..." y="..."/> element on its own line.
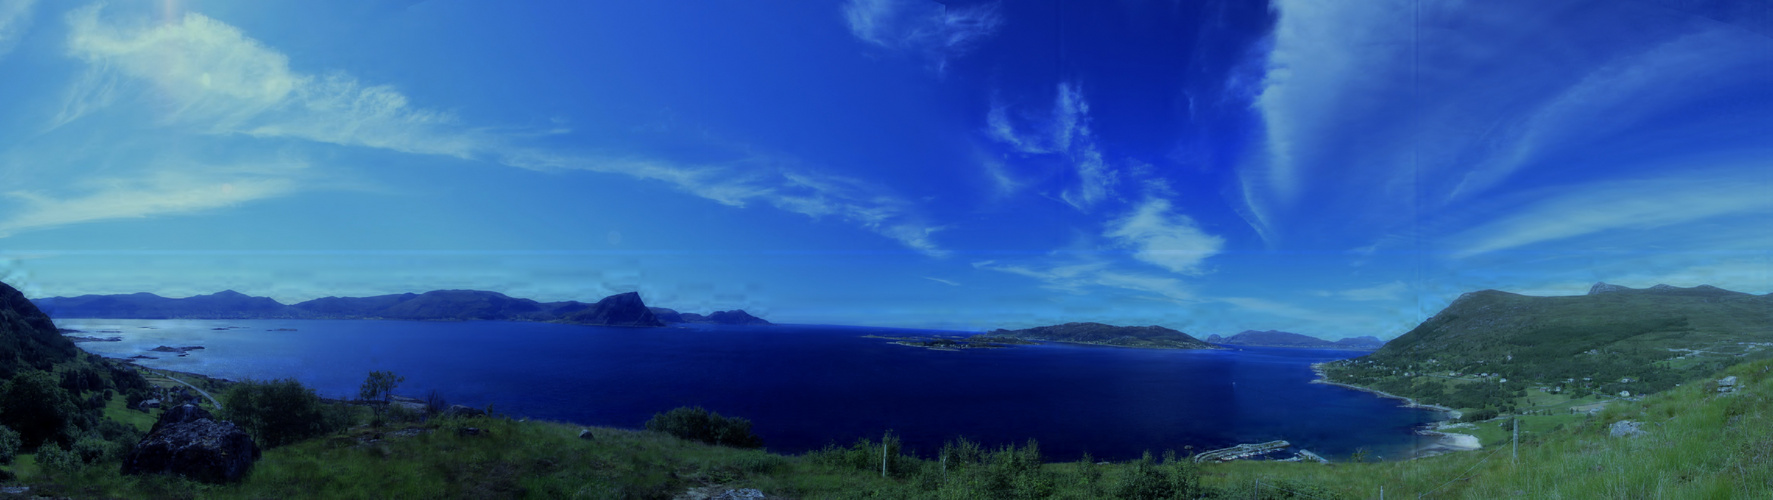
<point x="1444" y="442"/>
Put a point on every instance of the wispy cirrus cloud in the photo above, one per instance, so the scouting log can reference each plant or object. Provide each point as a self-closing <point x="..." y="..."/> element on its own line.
<point x="1378" y="114"/>
<point x="15" y="19"/>
<point x="169" y="191"/>
<point x="1382" y="292"/>
<point x="1062" y="131"/>
<point x="802" y="192"/>
<point x="1078" y="275"/>
<point x="938" y="31"/>
<point x="942" y="281"/>
<point x="1638" y="204"/>
<point x="213" y="78"/>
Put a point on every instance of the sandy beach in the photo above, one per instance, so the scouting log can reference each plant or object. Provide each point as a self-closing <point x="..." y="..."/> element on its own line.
<point x="1446" y="441"/>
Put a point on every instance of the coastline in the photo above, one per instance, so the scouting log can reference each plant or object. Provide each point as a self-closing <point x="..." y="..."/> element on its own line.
<point x="1444" y="442"/>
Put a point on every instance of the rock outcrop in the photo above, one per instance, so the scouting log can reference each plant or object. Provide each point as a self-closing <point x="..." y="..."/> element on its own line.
<point x="625" y="309"/>
<point x="190" y="442"/>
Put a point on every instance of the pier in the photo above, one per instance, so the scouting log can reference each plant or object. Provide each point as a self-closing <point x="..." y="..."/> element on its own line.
<point x="1241" y="451"/>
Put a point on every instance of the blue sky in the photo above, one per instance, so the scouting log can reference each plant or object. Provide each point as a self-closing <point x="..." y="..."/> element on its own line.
<point x="1332" y="168"/>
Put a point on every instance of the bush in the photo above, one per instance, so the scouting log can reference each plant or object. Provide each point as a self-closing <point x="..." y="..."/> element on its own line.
<point x="94" y="449"/>
<point x="279" y="412"/>
<point x="9" y="445"/>
<point x="51" y="457"/>
<point x="697" y="424"/>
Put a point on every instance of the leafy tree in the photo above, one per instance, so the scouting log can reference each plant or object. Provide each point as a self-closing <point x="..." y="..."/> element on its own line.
<point x="697" y="424"/>
<point x="38" y="409"/>
<point x="9" y="445"/>
<point x="278" y="412"/>
<point x="380" y="385"/>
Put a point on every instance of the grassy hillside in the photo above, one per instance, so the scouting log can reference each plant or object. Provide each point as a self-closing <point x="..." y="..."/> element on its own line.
<point x="1589" y="346"/>
<point x="1698" y="444"/>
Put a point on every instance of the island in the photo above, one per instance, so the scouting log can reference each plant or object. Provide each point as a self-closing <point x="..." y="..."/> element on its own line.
<point x="1276" y="338"/>
<point x="949" y="343"/>
<point x="1145" y="337"/>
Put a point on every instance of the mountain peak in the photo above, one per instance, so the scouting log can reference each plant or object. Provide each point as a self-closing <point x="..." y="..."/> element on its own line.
<point x="1601" y="287"/>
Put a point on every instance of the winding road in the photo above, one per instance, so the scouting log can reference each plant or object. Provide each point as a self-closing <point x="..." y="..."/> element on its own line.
<point x="212" y="400"/>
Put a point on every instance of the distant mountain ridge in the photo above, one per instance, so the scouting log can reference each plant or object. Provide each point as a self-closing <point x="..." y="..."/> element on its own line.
<point x="1150" y="337"/>
<point x="1276" y="338"/>
<point x="625" y="309"/>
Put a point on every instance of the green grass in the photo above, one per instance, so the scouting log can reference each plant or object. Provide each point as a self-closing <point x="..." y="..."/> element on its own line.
<point x="1699" y="445"/>
<point x="118" y="409"/>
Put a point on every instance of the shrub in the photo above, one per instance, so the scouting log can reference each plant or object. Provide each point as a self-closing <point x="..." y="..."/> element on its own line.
<point x="435" y="403"/>
<point x="9" y="445"/>
<point x="279" y="412"/>
<point x="697" y="424"/>
<point x="94" y="449"/>
<point x="51" y="457"/>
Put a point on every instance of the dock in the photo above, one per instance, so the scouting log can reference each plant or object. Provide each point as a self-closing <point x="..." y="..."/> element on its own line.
<point x="1241" y="451"/>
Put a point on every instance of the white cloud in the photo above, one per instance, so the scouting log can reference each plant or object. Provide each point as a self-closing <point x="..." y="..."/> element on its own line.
<point x="1622" y="206"/>
<point x="210" y="75"/>
<point x="937" y="31"/>
<point x="15" y="19"/>
<point x="1162" y="237"/>
<point x="165" y="192"/>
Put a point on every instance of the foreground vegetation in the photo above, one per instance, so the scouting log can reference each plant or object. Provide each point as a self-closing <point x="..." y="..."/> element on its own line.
<point x="1698" y="444"/>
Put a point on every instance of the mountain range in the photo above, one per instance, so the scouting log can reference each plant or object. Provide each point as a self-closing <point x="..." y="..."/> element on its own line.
<point x="625" y="309"/>
<point x="1276" y="338"/>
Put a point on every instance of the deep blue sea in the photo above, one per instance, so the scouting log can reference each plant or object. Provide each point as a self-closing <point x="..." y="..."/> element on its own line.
<point x="806" y="386"/>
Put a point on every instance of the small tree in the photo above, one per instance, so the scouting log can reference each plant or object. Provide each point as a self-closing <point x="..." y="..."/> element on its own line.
<point x="380" y="385"/>
<point x="278" y="412"/>
<point x="9" y="445"/>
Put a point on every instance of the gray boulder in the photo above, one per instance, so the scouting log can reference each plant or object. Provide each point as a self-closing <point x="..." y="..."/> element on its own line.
<point x="190" y="442"/>
<point x="1626" y="428"/>
<point x="463" y="411"/>
<point x="586" y="434"/>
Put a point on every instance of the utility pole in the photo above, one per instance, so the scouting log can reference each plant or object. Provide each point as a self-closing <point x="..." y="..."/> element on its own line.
<point x="1516" y="453"/>
<point x="883" y="454"/>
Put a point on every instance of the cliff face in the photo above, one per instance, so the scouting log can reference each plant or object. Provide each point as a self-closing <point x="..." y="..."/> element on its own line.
<point x="625" y="309"/>
<point x="27" y="337"/>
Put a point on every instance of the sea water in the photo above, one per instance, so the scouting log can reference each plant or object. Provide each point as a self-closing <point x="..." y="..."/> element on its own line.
<point x="805" y="387"/>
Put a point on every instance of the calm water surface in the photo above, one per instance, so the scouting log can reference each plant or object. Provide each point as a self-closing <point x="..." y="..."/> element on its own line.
<point x="807" y="386"/>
